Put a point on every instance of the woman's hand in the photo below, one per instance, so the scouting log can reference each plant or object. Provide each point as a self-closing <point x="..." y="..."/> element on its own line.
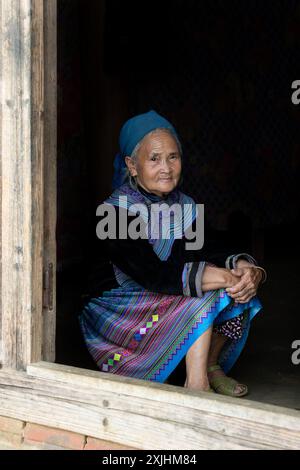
<point x="214" y="278"/>
<point x="249" y="280"/>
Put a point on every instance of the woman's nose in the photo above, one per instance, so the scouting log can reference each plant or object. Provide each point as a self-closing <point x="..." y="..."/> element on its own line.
<point x="165" y="165"/>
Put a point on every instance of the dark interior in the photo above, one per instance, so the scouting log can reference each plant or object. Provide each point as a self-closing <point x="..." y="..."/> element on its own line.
<point x="221" y="72"/>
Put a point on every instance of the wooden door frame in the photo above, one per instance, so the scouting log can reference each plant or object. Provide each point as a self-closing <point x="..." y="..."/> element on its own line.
<point x="132" y="412"/>
<point x="28" y="170"/>
<point x="22" y="142"/>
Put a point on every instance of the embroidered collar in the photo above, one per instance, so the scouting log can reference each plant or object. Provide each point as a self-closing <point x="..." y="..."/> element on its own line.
<point x="161" y="245"/>
<point x="153" y="197"/>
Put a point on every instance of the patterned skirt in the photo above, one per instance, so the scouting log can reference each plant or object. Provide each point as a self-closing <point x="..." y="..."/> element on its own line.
<point x="143" y="334"/>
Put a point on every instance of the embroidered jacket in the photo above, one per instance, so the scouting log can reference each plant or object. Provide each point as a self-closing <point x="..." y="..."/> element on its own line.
<point x="180" y="274"/>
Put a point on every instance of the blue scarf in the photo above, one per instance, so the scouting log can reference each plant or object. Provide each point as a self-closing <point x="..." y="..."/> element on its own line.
<point x="131" y="134"/>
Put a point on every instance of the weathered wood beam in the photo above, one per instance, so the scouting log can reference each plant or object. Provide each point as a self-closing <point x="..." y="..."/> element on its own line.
<point x="50" y="176"/>
<point x="143" y="414"/>
<point x="22" y="108"/>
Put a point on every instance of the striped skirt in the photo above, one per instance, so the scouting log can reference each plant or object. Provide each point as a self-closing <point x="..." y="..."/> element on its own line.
<point x="143" y="334"/>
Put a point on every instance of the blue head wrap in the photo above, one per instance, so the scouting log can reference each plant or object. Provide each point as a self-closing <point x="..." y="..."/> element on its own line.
<point x="131" y="134"/>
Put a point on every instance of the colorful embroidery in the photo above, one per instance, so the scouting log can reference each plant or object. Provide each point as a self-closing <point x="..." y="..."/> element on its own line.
<point x="133" y="344"/>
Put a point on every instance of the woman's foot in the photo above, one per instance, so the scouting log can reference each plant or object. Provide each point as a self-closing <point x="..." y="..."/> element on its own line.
<point x="200" y="385"/>
<point x="226" y="387"/>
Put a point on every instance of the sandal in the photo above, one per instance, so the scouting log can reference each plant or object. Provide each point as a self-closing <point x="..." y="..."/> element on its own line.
<point x="225" y="385"/>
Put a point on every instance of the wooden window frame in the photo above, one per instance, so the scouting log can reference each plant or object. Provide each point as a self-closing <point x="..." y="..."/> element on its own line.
<point x="132" y="412"/>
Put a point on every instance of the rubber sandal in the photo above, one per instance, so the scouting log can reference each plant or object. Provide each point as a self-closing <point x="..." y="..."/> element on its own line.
<point x="225" y="385"/>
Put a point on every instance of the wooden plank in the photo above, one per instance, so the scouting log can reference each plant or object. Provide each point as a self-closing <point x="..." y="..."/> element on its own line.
<point x="144" y="414"/>
<point x="50" y="153"/>
<point x="140" y="422"/>
<point x="227" y="406"/>
<point x="16" y="173"/>
<point x="37" y="162"/>
<point x="21" y="171"/>
<point x="1" y="118"/>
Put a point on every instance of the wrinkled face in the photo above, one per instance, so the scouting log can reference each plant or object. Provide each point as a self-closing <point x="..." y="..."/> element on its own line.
<point x="158" y="164"/>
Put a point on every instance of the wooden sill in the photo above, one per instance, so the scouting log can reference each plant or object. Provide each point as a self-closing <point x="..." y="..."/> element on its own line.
<point x="142" y="414"/>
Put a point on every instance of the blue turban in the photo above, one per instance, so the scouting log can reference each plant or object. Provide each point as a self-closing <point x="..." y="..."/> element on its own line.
<point x="131" y="134"/>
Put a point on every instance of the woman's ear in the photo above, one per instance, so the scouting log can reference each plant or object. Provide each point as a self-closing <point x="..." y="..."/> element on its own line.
<point x="131" y="166"/>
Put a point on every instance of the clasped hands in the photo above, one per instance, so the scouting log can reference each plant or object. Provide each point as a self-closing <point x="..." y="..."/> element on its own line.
<point x="241" y="283"/>
<point x="246" y="281"/>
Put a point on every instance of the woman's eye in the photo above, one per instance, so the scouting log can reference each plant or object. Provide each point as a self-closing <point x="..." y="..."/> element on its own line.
<point x="153" y="159"/>
<point x="174" y="157"/>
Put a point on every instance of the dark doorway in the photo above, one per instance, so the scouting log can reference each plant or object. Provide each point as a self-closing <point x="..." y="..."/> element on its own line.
<point x="222" y="73"/>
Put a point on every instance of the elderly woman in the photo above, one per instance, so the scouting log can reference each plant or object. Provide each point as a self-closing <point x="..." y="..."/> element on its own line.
<point x="163" y="301"/>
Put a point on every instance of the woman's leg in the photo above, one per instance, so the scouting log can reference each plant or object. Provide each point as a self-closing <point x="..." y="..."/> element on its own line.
<point x="216" y="345"/>
<point x="196" y="363"/>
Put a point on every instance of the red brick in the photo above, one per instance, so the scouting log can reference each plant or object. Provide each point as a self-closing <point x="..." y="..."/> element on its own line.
<point x="99" y="444"/>
<point x="34" y="445"/>
<point x="12" y="425"/>
<point x="11" y="439"/>
<point x="30" y="445"/>
<point x="57" y="437"/>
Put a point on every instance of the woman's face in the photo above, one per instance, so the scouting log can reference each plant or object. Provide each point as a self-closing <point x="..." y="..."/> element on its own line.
<point x="158" y="164"/>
